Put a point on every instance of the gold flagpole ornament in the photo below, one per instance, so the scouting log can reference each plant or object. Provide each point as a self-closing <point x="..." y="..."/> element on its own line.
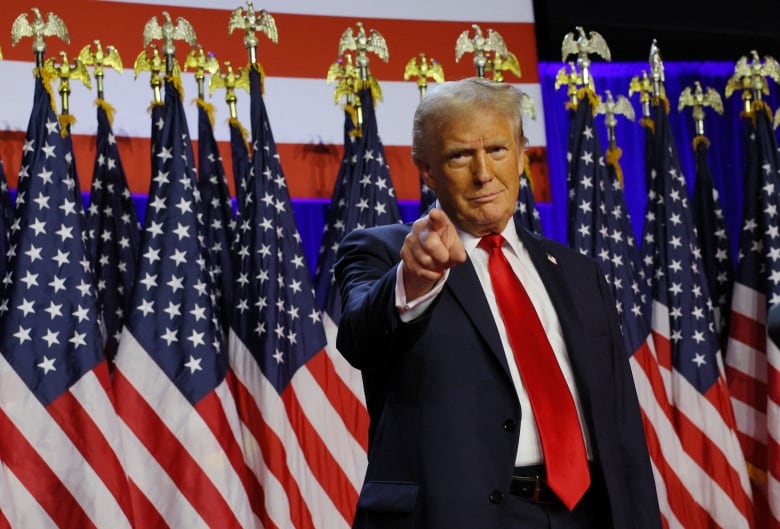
<point x="100" y="59"/>
<point x="347" y="78"/>
<point x="251" y="22"/>
<point x="423" y="69"/>
<point x="168" y="32"/>
<point x="362" y="43"/>
<point x="149" y="60"/>
<point x="581" y="46"/>
<point x="750" y="77"/>
<point x="698" y="99"/>
<point x="611" y="108"/>
<point x="657" y="73"/>
<point x="358" y="77"/>
<point x="480" y="45"/>
<point x="201" y="62"/>
<point x="229" y="81"/>
<point x="498" y="64"/>
<point x="642" y="85"/>
<point x="573" y="81"/>
<point x="37" y="29"/>
<point x="66" y="72"/>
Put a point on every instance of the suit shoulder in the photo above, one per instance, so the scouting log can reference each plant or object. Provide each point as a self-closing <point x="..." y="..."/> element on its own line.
<point x="558" y="250"/>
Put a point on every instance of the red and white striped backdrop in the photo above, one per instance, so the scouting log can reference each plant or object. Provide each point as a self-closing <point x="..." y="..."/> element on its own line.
<point x="307" y="124"/>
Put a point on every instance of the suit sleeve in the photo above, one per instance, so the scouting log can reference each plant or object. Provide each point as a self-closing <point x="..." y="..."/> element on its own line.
<point x="365" y="271"/>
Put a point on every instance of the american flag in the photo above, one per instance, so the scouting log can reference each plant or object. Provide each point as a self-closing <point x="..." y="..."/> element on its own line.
<point x="526" y="210"/>
<point x="753" y="360"/>
<point x="364" y="196"/>
<point x="114" y="233"/>
<point x="59" y="434"/>
<point x="687" y="345"/>
<point x="711" y="228"/>
<point x="301" y="452"/>
<point x="217" y="211"/>
<point x="601" y="228"/>
<point x="6" y="218"/>
<point x="180" y="425"/>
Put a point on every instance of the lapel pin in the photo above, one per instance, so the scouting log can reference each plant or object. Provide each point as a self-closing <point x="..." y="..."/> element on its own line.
<point x="552" y="259"/>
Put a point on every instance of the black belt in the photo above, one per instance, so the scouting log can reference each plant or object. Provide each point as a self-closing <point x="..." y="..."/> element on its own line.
<point x="530" y="484"/>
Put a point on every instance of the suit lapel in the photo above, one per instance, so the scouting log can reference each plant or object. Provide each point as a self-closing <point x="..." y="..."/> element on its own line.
<point x="464" y="286"/>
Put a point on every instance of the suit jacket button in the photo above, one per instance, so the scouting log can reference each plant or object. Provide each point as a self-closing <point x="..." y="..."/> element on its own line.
<point x="496" y="496"/>
<point x="509" y="425"/>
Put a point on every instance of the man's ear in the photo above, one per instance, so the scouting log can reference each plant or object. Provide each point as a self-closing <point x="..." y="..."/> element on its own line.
<point x="425" y="173"/>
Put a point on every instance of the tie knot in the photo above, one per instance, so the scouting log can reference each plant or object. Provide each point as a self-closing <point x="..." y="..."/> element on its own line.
<point x="491" y="242"/>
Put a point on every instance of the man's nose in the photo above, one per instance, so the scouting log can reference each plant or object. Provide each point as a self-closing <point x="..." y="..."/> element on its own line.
<point x="481" y="167"/>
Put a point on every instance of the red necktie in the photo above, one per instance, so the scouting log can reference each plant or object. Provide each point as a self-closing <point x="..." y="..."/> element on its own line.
<point x="553" y="406"/>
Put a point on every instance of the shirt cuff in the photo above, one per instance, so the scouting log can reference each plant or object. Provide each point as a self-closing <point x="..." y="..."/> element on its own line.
<point x="411" y="310"/>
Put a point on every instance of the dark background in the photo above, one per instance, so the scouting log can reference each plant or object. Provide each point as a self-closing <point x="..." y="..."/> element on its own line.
<point x="684" y="30"/>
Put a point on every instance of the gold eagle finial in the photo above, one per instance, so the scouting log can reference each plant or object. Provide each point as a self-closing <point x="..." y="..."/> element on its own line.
<point x="582" y="45"/>
<point x="54" y="26"/>
<point x="498" y="64"/>
<point x="200" y="61"/>
<point x="230" y="82"/>
<point x="479" y="45"/>
<point x="100" y="59"/>
<point x="698" y="99"/>
<point x="423" y="69"/>
<point x="611" y="108"/>
<point x="362" y="43"/>
<point x="252" y="22"/>
<point x="751" y="77"/>
<point x="168" y="32"/>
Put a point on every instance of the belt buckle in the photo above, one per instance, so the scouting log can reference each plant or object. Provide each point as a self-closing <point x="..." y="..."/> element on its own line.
<point x="537" y="489"/>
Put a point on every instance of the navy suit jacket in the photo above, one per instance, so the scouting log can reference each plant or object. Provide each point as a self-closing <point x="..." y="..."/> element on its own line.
<point x="444" y="412"/>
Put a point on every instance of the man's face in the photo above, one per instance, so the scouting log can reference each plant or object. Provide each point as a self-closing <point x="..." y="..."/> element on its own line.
<point x="474" y="165"/>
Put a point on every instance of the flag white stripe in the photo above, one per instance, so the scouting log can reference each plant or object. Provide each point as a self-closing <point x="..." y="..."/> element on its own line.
<point x="483" y="11"/>
<point x="748" y="302"/>
<point x="747" y="360"/>
<point x="301" y="110"/>
<point x="750" y="420"/>
<point x="33" y="421"/>
<point x="351" y="377"/>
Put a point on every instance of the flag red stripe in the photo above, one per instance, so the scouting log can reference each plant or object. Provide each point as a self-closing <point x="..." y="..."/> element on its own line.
<point x="274" y="455"/>
<point x="746" y="389"/>
<point x="172" y="456"/>
<point x="324" y="468"/>
<point x="343" y="399"/>
<point x="663" y="351"/>
<point x="28" y="466"/>
<point x="89" y="440"/>
<point x="145" y="514"/>
<point x="748" y="331"/>
<point x="310" y="169"/>
<point x="122" y="25"/>
<point x="754" y="450"/>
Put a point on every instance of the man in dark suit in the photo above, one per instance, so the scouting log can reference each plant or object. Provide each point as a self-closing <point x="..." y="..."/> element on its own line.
<point x="456" y="430"/>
